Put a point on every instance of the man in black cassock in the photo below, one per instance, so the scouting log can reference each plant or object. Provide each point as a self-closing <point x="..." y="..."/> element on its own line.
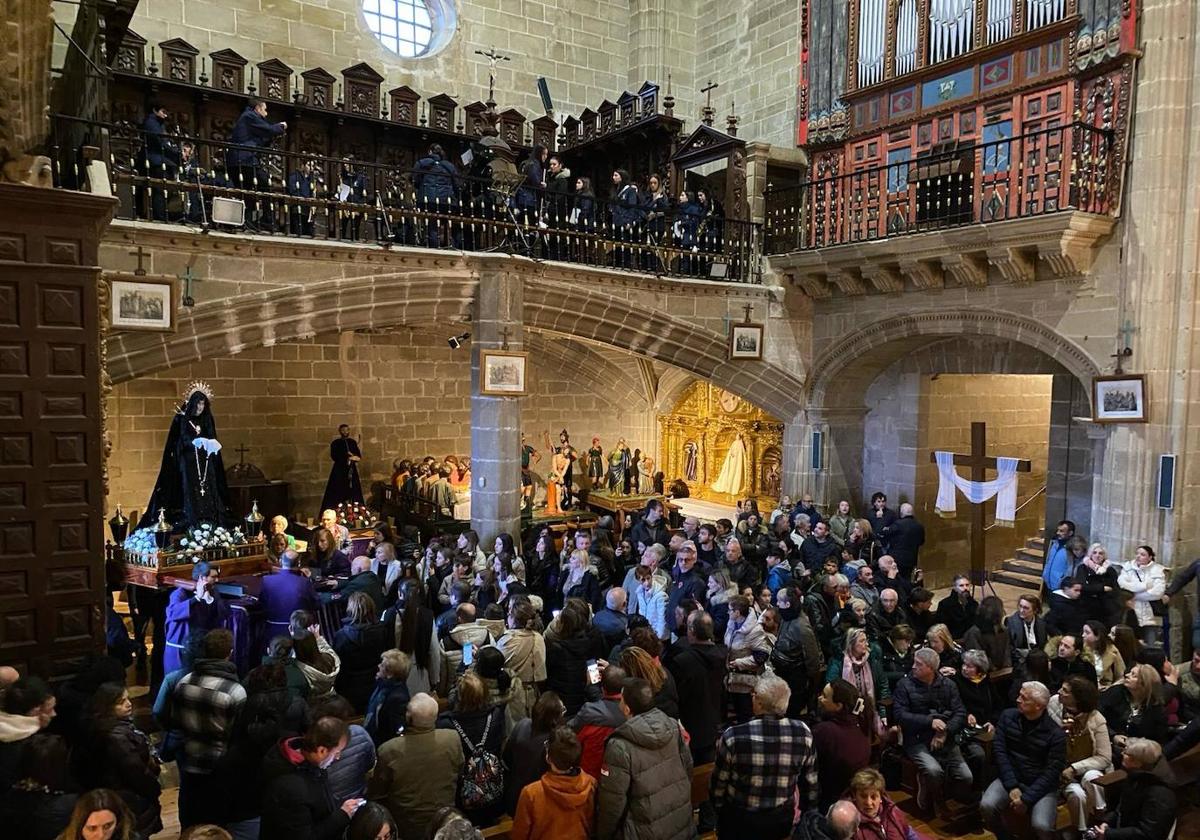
<point x="343" y="486"/>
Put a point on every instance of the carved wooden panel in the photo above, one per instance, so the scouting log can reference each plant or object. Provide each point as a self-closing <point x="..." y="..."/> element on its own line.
<point x="274" y="79"/>
<point x="179" y="60"/>
<point x="441" y="112"/>
<point x="404" y="104"/>
<point x="51" y="428"/>
<point x="228" y="71"/>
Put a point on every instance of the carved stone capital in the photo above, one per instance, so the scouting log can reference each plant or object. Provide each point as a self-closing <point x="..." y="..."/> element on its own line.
<point x="923" y="274"/>
<point x="884" y="278"/>
<point x="1014" y="265"/>
<point x="813" y="286"/>
<point x="847" y="282"/>
<point x="966" y="269"/>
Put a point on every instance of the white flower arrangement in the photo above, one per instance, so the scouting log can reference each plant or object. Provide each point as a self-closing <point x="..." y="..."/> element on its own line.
<point x="203" y="537"/>
<point x="141" y="543"/>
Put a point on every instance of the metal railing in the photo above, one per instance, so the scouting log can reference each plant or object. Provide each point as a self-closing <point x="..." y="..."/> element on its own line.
<point x="1038" y="492"/>
<point x="173" y="179"/>
<point x="1048" y="171"/>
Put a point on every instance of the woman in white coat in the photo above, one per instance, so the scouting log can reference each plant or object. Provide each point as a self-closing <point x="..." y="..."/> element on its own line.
<point x="1145" y="578"/>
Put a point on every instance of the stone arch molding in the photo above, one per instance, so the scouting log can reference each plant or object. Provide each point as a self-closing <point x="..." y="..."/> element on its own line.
<point x="891" y="337"/>
<point x="244" y="322"/>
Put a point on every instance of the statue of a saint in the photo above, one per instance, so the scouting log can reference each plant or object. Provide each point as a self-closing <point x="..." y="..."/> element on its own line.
<point x="528" y="454"/>
<point x="618" y="463"/>
<point x="646" y="473"/>
<point x="732" y="478"/>
<point x="595" y="463"/>
<point x="563" y="463"/>
<point x="191" y="485"/>
<point x="691" y="451"/>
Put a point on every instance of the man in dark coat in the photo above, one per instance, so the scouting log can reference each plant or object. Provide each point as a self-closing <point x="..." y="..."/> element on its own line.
<point x="161" y="159"/>
<point x="686" y="582"/>
<point x="698" y="666"/>
<point x="297" y="803"/>
<point x="817" y="547"/>
<point x="362" y="579"/>
<point x="650" y="528"/>
<point x="797" y="659"/>
<point x="243" y="164"/>
<point x="958" y="609"/>
<point x="344" y="486"/>
<point x="284" y="592"/>
<point x="904" y="540"/>
<point x="1030" y="752"/>
<point x="436" y="180"/>
<point x="1147" y="807"/>
<point x="301" y="184"/>
<point x="930" y="713"/>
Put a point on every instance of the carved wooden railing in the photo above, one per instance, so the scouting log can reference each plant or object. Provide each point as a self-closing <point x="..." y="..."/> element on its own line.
<point x="1050" y="171"/>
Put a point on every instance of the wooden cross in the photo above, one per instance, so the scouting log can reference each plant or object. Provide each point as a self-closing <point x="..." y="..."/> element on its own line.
<point x="980" y="463"/>
<point x="748" y="307"/>
<point x="140" y="254"/>
<point x="187" y="277"/>
<point x="504" y="338"/>
<point x="241" y="451"/>
<point x="707" y="91"/>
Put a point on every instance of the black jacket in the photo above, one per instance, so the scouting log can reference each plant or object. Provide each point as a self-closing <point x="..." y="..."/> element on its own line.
<point x="1065" y="615"/>
<point x="1149" y="722"/>
<point x="904" y="540"/>
<point x="647" y="534"/>
<point x="386" y="710"/>
<point x="566" y="668"/>
<point x="266" y="718"/>
<point x="1100" y="592"/>
<point x="684" y="585"/>
<point x="813" y="553"/>
<point x="128" y="766"/>
<point x="296" y="801"/>
<point x="978" y="699"/>
<point x="957" y="615"/>
<point x="699" y="672"/>
<point x="797" y="660"/>
<point x="915" y="705"/>
<point x="359" y="648"/>
<point x="1029" y="755"/>
<point x="367" y="582"/>
<point x="1146" y="810"/>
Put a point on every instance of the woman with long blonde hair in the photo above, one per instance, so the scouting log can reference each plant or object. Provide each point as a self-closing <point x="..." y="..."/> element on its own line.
<point x="99" y="815"/>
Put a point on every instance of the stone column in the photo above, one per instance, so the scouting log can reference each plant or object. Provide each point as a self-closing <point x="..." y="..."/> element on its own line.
<point x="495" y="421"/>
<point x="1158" y="283"/>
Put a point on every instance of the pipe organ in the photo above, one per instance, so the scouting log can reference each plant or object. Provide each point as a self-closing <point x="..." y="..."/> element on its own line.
<point x="1039" y="13"/>
<point x="999" y="20"/>
<point x="951" y="28"/>
<point x="872" y="40"/>
<point x="906" y="37"/>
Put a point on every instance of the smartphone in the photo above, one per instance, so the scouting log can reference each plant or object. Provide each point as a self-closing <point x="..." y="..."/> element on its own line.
<point x="556" y="612"/>
<point x="468" y="653"/>
<point x="593" y="672"/>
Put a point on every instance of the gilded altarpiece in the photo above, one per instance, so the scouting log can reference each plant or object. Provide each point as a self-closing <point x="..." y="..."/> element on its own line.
<point x="698" y="436"/>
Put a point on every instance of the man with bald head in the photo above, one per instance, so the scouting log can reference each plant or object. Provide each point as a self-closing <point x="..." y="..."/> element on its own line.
<point x="885" y="614"/>
<point x="904" y="540"/>
<point x="612" y="620"/>
<point x="362" y="579"/>
<point x="417" y="771"/>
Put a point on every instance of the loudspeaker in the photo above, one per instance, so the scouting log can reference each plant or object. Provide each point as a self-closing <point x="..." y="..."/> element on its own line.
<point x="228" y="211"/>
<point x="1166" y="481"/>
<point x="818" y="451"/>
<point x="544" y="92"/>
<point x="718" y="271"/>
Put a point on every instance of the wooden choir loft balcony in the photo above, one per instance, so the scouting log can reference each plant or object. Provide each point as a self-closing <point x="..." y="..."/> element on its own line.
<point x="1030" y="207"/>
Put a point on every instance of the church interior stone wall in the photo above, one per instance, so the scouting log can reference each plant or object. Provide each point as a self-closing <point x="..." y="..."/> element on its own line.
<point x="404" y="393"/>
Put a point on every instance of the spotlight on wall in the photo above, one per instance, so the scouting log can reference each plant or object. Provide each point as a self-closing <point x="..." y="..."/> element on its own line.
<point x="457" y="341"/>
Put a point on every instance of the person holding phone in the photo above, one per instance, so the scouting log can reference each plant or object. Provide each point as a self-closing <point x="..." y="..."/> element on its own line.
<point x="296" y="800"/>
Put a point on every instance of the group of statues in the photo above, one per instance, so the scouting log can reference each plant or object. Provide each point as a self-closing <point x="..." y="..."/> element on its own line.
<point x="620" y="472"/>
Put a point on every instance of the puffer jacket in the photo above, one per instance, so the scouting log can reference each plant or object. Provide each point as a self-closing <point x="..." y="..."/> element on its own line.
<point x="748" y="652"/>
<point x="1148" y="584"/>
<point x="566" y="668"/>
<point x="645" y="790"/>
<point x="321" y="684"/>
<point x="593" y="724"/>
<point x="1029" y="755"/>
<point x="358" y="648"/>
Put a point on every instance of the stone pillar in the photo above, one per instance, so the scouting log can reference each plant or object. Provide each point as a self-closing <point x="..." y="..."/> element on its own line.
<point x="1070" y="471"/>
<point x="1158" y="284"/>
<point x="495" y="421"/>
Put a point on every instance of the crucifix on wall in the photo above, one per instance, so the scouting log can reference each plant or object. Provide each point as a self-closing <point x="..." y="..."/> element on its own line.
<point x="978" y="490"/>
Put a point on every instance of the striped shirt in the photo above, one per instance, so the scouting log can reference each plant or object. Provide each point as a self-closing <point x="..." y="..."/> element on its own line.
<point x="761" y="762"/>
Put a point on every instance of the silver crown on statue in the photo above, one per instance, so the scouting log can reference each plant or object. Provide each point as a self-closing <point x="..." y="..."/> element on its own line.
<point x="194" y="386"/>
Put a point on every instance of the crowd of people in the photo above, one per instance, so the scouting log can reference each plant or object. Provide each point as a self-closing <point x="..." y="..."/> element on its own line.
<point x="795" y="658"/>
<point x="438" y="203"/>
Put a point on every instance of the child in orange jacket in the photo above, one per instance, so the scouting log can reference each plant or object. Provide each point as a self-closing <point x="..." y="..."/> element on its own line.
<point x="561" y="805"/>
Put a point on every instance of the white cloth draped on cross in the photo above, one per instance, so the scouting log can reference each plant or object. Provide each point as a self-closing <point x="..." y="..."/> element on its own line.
<point x="1003" y="487"/>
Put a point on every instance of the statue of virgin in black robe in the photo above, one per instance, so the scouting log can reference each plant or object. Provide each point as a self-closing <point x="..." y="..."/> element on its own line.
<point x="344" y="486"/>
<point x="191" y="486"/>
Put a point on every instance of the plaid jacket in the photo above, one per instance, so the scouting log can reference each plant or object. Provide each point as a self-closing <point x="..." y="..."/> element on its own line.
<point x="203" y="707"/>
<point x="760" y="763"/>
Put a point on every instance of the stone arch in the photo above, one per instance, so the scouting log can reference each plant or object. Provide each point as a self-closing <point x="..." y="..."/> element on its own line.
<point x="870" y="349"/>
<point x="446" y="296"/>
<point x="572" y="310"/>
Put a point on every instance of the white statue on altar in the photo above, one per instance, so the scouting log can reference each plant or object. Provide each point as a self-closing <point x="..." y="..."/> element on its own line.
<point x="732" y="478"/>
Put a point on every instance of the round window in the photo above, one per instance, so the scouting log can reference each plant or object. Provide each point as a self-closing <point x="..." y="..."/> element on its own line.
<point x="410" y="28"/>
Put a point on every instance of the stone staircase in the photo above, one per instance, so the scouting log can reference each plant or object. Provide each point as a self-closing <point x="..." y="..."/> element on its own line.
<point x="1024" y="568"/>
